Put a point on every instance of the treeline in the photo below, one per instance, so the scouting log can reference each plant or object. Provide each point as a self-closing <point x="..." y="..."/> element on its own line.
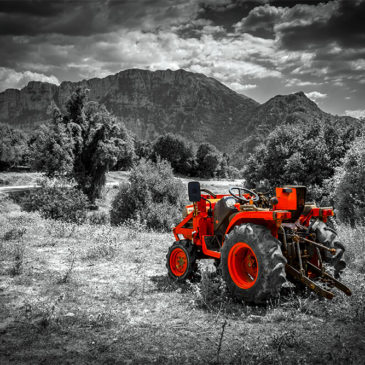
<point x="329" y="159"/>
<point x="69" y="139"/>
<point x="86" y="141"/>
<point x="188" y="158"/>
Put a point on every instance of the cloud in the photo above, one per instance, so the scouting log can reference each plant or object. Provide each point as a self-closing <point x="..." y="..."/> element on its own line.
<point x="254" y="46"/>
<point x="261" y="21"/>
<point x="297" y="82"/>
<point x="97" y="16"/>
<point x="241" y="88"/>
<point x="360" y="114"/>
<point x="316" y="95"/>
<point x="12" y="79"/>
<point x="340" y="22"/>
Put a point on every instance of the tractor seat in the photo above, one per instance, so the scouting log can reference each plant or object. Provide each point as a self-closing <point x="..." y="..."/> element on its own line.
<point x="223" y="211"/>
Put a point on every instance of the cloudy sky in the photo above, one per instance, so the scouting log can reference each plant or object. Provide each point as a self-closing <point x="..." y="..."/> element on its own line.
<point x="260" y="48"/>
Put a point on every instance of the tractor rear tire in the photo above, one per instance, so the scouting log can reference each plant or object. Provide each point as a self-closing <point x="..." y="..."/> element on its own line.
<point x="328" y="237"/>
<point x="253" y="265"/>
<point x="181" y="261"/>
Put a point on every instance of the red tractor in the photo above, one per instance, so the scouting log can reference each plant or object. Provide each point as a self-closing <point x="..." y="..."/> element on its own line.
<point x="258" y="242"/>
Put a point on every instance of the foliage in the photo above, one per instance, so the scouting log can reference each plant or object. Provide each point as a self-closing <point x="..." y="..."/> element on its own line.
<point x="83" y="144"/>
<point x="57" y="200"/>
<point x="208" y="160"/>
<point x="99" y="144"/>
<point x="153" y="196"/>
<point x="303" y="154"/>
<point x="354" y="240"/>
<point x="177" y="150"/>
<point x="349" y="184"/>
<point x="233" y="173"/>
<point x="143" y="149"/>
<point x="51" y="150"/>
<point x="13" y="147"/>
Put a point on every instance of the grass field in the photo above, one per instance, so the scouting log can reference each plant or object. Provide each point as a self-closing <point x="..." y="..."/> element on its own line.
<point x="96" y="294"/>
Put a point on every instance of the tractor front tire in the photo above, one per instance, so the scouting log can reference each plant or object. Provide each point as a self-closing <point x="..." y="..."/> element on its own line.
<point x="181" y="261"/>
<point x="253" y="265"/>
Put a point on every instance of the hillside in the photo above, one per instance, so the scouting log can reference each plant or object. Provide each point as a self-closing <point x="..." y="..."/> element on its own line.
<point x="282" y="110"/>
<point x="151" y="103"/>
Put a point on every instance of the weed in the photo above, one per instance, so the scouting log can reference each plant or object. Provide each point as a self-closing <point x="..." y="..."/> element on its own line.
<point x="66" y="276"/>
<point x="284" y="340"/>
<point x="14" y="234"/>
<point x="60" y="229"/>
<point x="99" y="218"/>
<point x="43" y="313"/>
<point x="210" y="293"/>
<point x="134" y="228"/>
<point x="18" y="258"/>
<point x="354" y="240"/>
<point x="221" y="340"/>
<point x="107" y="250"/>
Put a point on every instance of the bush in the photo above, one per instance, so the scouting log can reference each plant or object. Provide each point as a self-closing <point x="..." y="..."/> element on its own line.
<point x="354" y="240"/>
<point x="98" y="218"/>
<point x="57" y="200"/>
<point x="153" y="196"/>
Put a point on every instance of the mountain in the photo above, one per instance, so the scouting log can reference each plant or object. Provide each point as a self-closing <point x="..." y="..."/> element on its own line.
<point x="151" y="103"/>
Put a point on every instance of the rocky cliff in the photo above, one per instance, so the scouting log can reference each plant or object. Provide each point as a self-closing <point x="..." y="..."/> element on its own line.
<point x="150" y="103"/>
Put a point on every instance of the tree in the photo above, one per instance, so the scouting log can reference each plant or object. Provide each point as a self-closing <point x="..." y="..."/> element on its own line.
<point x="177" y="150"/>
<point x="13" y="147"/>
<point x="303" y="154"/>
<point x="349" y="184"/>
<point x="51" y="150"/>
<point x="83" y="144"/>
<point x="208" y="160"/>
<point x="143" y="149"/>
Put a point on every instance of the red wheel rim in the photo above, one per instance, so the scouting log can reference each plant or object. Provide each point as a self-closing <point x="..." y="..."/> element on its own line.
<point x="178" y="262"/>
<point x="243" y="265"/>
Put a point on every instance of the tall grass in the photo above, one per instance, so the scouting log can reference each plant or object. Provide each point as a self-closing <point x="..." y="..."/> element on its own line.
<point x="354" y="240"/>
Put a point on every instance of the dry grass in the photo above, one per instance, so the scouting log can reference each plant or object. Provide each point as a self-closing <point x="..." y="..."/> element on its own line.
<point x="94" y="294"/>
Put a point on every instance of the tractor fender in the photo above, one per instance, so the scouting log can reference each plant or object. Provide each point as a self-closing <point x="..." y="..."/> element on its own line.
<point x="261" y="218"/>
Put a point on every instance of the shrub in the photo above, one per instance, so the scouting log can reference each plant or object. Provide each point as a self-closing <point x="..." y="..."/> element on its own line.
<point x="354" y="240"/>
<point x="233" y="173"/>
<point x="210" y="293"/>
<point x="57" y="200"/>
<point x="153" y="196"/>
<point x="99" y="217"/>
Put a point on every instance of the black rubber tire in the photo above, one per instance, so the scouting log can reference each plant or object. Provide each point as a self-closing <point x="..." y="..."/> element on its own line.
<point x="271" y="263"/>
<point x="328" y="237"/>
<point x="191" y="254"/>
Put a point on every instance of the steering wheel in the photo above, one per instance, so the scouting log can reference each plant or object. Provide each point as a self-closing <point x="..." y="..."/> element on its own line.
<point x="241" y="198"/>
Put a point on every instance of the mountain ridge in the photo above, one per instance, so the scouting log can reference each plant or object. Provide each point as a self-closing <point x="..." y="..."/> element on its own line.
<point x="151" y="103"/>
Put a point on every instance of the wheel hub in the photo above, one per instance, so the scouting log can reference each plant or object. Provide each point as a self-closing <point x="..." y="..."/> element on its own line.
<point x="243" y="265"/>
